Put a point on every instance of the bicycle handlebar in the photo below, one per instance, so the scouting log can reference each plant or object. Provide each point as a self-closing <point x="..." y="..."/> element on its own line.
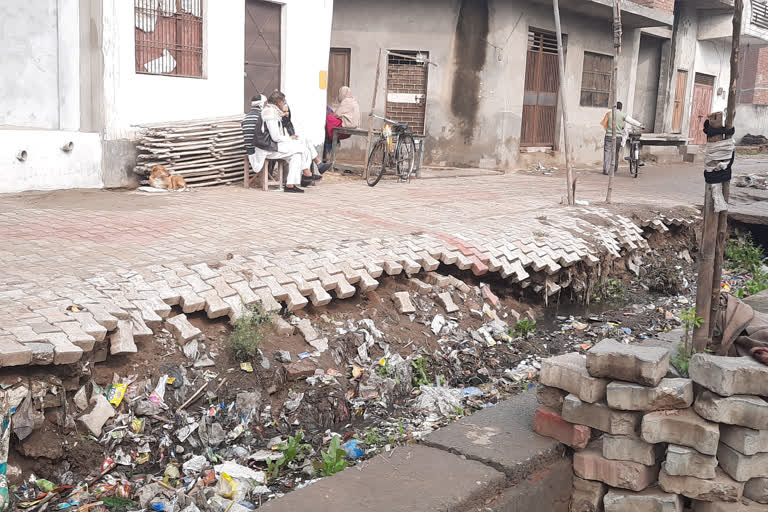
<point x="383" y="119"/>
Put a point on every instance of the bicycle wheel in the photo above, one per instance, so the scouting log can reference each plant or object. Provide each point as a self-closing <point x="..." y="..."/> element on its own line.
<point x="633" y="167"/>
<point x="405" y="157"/>
<point x="375" y="167"/>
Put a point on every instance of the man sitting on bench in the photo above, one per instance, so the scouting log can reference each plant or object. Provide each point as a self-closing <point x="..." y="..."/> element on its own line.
<point x="268" y="142"/>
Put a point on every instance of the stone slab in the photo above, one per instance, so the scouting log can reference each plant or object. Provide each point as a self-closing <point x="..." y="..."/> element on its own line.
<point x="121" y="340"/>
<point x="669" y="394"/>
<point x="729" y="376"/>
<point x="685" y="461"/>
<point x="548" y="489"/>
<point x="569" y="373"/>
<point x="591" y="465"/>
<point x="683" y="427"/>
<point x="743" y="505"/>
<point x="549" y="423"/>
<point x="742" y="467"/>
<point x="632" y="363"/>
<point x="550" y="397"/>
<point x="414" y="478"/>
<point x="632" y="449"/>
<point x="650" y="500"/>
<point x="181" y="329"/>
<point x="745" y="440"/>
<point x="501" y="436"/>
<point x="13" y="353"/>
<point x="600" y="416"/>
<point x="42" y="352"/>
<point x="587" y="495"/>
<point x="743" y="410"/>
<point x="757" y="490"/>
<point x="720" y="488"/>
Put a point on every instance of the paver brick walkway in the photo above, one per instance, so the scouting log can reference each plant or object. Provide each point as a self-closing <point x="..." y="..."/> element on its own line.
<point x="127" y="257"/>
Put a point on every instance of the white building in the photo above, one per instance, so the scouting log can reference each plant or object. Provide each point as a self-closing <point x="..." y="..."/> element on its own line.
<point x="89" y="72"/>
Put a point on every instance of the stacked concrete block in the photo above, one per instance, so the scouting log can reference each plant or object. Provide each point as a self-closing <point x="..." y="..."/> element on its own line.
<point x="658" y="441"/>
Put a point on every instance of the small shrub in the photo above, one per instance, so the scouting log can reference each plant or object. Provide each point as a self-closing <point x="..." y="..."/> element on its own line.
<point x="742" y="253"/>
<point x="611" y="290"/>
<point x="334" y="460"/>
<point x="292" y="449"/>
<point x="682" y="360"/>
<point x="523" y="328"/>
<point x="690" y="321"/>
<point x="248" y="333"/>
<point x="420" y="377"/>
<point x="758" y="283"/>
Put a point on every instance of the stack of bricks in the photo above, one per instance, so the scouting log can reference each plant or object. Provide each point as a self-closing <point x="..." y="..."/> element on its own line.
<point x="647" y="441"/>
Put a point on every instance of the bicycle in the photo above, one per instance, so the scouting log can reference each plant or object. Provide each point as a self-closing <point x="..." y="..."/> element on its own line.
<point x="395" y="149"/>
<point x="634" y="153"/>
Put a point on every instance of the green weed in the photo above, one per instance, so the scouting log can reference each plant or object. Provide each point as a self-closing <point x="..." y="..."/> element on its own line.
<point x="611" y="290"/>
<point x="334" y="460"/>
<point x="523" y="328"/>
<point x="248" y="333"/>
<point x="690" y="321"/>
<point x="292" y="449"/>
<point x="420" y="377"/>
<point x="742" y="253"/>
<point x="372" y="437"/>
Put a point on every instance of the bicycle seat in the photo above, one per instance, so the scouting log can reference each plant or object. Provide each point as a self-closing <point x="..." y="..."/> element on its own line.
<point x="400" y="127"/>
<point x="635" y="136"/>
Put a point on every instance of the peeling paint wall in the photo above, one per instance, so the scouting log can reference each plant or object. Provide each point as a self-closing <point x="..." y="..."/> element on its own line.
<point x="489" y="86"/>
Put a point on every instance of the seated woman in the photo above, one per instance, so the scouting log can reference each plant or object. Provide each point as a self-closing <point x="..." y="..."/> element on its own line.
<point x="345" y="114"/>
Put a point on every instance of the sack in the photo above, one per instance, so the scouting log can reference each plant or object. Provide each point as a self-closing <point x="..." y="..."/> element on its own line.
<point x="604" y="122"/>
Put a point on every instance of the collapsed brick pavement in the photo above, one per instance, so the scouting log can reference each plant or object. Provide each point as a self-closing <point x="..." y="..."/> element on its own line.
<point x="128" y="259"/>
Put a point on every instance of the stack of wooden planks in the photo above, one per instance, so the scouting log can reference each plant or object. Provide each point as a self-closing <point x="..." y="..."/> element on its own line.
<point x="205" y="152"/>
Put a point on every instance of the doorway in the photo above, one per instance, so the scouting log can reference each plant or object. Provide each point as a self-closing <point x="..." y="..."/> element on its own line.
<point x="703" y="90"/>
<point x="677" y="112"/>
<point x="542" y="85"/>
<point x="262" y="48"/>
<point x="338" y="72"/>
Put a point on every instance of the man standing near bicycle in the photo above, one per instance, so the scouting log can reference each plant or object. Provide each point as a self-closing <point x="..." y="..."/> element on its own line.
<point x="622" y="120"/>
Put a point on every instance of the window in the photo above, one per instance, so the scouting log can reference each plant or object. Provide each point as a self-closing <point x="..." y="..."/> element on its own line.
<point x="407" y="88"/>
<point x="169" y="37"/>
<point x="596" y="80"/>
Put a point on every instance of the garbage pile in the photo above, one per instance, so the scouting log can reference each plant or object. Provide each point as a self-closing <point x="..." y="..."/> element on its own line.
<point x="645" y="438"/>
<point x="758" y="181"/>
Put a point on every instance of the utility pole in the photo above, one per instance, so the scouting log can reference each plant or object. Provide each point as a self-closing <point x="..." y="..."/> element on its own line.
<point x="617" y="32"/>
<point x="570" y="184"/>
<point x="715" y="226"/>
<point x="370" y="117"/>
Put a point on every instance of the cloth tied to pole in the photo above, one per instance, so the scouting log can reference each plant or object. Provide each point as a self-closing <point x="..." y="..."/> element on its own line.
<point x="717" y="168"/>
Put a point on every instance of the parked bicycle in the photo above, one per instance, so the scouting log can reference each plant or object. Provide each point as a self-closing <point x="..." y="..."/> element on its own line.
<point x="395" y="151"/>
<point x="634" y="153"/>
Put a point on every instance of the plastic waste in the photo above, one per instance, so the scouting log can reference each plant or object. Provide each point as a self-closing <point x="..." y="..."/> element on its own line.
<point x="353" y="449"/>
<point x="157" y="396"/>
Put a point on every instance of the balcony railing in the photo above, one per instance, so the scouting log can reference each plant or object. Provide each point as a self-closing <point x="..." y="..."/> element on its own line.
<point x="760" y="14"/>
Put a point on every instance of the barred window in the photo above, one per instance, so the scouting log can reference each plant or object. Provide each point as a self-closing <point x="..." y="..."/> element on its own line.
<point x="596" y="80"/>
<point x="169" y="37"/>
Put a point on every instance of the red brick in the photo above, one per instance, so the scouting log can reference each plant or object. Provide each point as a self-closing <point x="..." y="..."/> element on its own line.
<point x="590" y="464"/>
<point x="301" y="369"/>
<point x="548" y="423"/>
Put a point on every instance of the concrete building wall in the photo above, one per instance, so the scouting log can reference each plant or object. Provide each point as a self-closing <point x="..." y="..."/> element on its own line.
<point x="714" y="58"/>
<point x="647" y="88"/>
<point x="47" y="167"/>
<point x="473" y="109"/>
<point x="29" y="94"/>
<point x="751" y="119"/>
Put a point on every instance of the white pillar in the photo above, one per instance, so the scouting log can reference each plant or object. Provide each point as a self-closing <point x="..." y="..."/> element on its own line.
<point x="68" y="27"/>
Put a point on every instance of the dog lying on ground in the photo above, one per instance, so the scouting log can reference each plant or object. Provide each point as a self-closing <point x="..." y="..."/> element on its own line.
<point x="161" y="178"/>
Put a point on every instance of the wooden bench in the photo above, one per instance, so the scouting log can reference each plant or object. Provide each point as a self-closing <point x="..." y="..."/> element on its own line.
<point x="417" y="139"/>
<point x="263" y="175"/>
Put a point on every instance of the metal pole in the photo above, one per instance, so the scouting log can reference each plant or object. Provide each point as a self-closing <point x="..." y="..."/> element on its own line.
<point x="614" y="92"/>
<point x="571" y="186"/>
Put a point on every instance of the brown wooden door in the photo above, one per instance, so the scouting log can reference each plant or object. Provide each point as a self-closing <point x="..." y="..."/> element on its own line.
<point x="677" y="112"/>
<point x="338" y="72"/>
<point x="541" y="87"/>
<point x="703" y="89"/>
<point x="262" y="48"/>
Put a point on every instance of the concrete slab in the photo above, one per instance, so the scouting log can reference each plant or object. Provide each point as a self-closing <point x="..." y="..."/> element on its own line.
<point x="501" y="437"/>
<point x="414" y="478"/>
<point x="758" y="301"/>
<point x="548" y="489"/>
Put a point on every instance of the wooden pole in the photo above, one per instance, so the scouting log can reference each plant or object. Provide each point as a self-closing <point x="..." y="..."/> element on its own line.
<point x="571" y="186"/>
<point x="715" y="228"/>
<point x="614" y="93"/>
<point x="370" y="117"/>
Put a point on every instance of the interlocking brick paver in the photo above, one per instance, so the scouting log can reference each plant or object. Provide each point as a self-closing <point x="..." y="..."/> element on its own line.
<point x="123" y="270"/>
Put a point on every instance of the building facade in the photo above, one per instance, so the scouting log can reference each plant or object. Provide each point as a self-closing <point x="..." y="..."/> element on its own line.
<point x="86" y="74"/>
<point x="488" y="95"/>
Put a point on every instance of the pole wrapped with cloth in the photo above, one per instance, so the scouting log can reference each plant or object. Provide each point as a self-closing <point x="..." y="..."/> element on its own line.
<point x="719" y="155"/>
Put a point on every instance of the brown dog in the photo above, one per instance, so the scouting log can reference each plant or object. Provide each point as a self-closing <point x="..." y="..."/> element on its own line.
<point x="161" y="178"/>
